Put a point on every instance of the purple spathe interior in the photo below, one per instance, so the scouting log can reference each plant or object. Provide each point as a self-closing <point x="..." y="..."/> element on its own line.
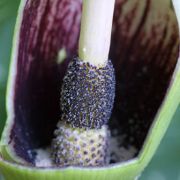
<point x="144" y="61"/>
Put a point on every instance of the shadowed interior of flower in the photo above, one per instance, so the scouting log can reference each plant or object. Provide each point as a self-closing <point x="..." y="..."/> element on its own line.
<point x="144" y="51"/>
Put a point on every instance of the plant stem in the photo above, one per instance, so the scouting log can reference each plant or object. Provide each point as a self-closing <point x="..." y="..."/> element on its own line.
<point x="95" y="35"/>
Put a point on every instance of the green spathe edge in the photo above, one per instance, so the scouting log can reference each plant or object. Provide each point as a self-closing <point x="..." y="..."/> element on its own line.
<point x="122" y="171"/>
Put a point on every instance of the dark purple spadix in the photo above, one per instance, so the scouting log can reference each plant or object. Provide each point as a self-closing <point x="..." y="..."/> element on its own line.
<point x="87" y="95"/>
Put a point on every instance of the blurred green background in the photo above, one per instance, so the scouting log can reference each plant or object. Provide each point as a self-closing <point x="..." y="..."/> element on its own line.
<point x="166" y="163"/>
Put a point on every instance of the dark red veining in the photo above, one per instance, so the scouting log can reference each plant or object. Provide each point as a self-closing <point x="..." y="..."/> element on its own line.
<point x="143" y="70"/>
<point x="144" y="55"/>
<point x="47" y="26"/>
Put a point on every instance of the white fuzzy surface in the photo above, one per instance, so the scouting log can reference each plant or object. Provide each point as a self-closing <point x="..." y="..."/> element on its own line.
<point x="43" y="158"/>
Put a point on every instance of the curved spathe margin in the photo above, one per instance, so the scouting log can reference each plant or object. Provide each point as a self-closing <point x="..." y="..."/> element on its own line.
<point x="11" y="81"/>
<point x="127" y="172"/>
<point x="168" y="108"/>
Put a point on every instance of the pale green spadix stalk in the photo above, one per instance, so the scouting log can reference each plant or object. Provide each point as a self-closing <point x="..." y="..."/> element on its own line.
<point x="95" y="35"/>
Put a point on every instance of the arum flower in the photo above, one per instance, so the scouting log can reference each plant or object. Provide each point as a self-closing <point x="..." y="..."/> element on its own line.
<point x="144" y="51"/>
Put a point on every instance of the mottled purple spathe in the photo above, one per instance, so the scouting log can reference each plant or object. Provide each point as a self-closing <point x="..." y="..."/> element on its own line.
<point x="87" y="95"/>
<point x="144" y="53"/>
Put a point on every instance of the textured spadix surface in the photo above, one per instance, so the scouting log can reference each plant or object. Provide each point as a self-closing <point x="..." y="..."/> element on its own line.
<point x="144" y="77"/>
